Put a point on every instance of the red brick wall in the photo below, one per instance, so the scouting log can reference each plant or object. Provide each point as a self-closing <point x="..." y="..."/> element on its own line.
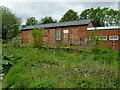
<point x="26" y="36"/>
<point x="110" y="32"/>
<point x="79" y="34"/>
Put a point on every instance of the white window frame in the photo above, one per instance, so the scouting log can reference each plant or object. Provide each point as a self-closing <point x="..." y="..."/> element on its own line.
<point x="113" y="36"/>
<point x="65" y="31"/>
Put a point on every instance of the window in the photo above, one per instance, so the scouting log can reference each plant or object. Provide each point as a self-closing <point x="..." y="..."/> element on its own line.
<point x="104" y="38"/>
<point x="65" y="31"/>
<point x="90" y="37"/>
<point x="113" y="38"/>
<point x="58" y="35"/>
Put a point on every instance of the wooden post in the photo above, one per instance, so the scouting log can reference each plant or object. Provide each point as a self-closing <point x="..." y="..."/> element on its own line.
<point x="113" y="44"/>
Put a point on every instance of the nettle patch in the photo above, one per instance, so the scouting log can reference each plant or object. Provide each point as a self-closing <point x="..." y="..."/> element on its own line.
<point x="8" y="61"/>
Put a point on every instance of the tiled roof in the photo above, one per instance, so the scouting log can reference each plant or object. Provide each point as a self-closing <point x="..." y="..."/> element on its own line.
<point x="60" y="24"/>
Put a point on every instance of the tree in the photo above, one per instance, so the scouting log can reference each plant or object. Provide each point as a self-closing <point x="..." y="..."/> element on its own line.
<point x="10" y="23"/>
<point x="111" y="18"/>
<point x="101" y="17"/>
<point x="46" y="20"/>
<point x="96" y="41"/>
<point x="31" y="21"/>
<point x="70" y="15"/>
<point x="37" y="36"/>
<point x="23" y="26"/>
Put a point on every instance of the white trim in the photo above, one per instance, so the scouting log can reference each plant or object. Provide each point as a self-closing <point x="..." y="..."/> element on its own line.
<point x="65" y="31"/>
<point x="112" y="27"/>
<point x="113" y="39"/>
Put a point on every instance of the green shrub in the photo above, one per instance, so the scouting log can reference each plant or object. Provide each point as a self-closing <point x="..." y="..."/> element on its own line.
<point x="95" y="41"/>
<point x="15" y="42"/>
<point x="65" y="43"/>
<point x="8" y="62"/>
<point x="37" y="36"/>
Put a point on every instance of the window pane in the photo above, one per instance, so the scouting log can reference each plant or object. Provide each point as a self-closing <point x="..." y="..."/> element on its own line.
<point x="113" y="38"/>
<point x="58" y="35"/>
<point x="65" y="31"/>
<point x="104" y="37"/>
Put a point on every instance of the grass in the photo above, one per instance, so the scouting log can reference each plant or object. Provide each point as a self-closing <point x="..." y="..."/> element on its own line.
<point x="47" y="45"/>
<point x="61" y="69"/>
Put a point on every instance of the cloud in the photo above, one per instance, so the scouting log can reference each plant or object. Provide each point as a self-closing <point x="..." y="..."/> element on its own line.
<point x="37" y="9"/>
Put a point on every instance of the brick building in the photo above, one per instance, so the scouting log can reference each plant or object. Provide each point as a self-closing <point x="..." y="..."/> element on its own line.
<point x="74" y="32"/>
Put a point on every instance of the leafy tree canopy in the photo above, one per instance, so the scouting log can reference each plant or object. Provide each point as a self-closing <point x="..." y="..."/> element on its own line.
<point x="101" y="17"/>
<point x="31" y="21"/>
<point x="10" y="23"/>
<point x="46" y="20"/>
<point x="70" y="15"/>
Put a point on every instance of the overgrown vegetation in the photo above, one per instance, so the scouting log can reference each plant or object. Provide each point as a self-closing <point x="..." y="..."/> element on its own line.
<point x="14" y="43"/>
<point x="8" y="61"/>
<point x="96" y="41"/>
<point x="37" y="36"/>
<point x="62" y="69"/>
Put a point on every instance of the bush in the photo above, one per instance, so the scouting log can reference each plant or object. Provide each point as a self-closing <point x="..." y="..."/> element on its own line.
<point x="8" y="62"/>
<point x="37" y="36"/>
<point x="15" y="42"/>
<point x="95" y="41"/>
<point x="64" y="43"/>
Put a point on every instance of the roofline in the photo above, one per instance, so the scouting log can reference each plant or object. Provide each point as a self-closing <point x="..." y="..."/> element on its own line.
<point x="66" y="21"/>
<point x="59" y="23"/>
<point x="56" y="27"/>
<point x="99" y="28"/>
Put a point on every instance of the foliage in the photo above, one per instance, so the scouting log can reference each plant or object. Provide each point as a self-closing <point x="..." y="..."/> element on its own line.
<point x="15" y="42"/>
<point x="10" y="23"/>
<point x="70" y="15"/>
<point x="61" y="70"/>
<point x="58" y="45"/>
<point x="37" y="36"/>
<point x="31" y="21"/>
<point x="8" y="61"/>
<point x="101" y="17"/>
<point x="23" y="26"/>
<point x="65" y="43"/>
<point x="95" y="41"/>
<point x="46" y="20"/>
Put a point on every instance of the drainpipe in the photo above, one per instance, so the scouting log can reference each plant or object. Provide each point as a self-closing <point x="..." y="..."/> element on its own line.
<point x="54" y="36"/>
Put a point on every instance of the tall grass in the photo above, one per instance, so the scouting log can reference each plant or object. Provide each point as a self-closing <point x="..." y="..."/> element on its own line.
<point x="62" y="69"/>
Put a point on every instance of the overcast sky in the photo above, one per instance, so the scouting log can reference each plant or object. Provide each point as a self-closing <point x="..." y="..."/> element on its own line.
<point x="56" y="9"/>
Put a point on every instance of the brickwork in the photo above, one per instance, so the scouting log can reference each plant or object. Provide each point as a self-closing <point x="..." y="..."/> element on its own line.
<point x="110" y="32"/>
<point x="77" y="35"/>
<point x="26" y="36"/>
